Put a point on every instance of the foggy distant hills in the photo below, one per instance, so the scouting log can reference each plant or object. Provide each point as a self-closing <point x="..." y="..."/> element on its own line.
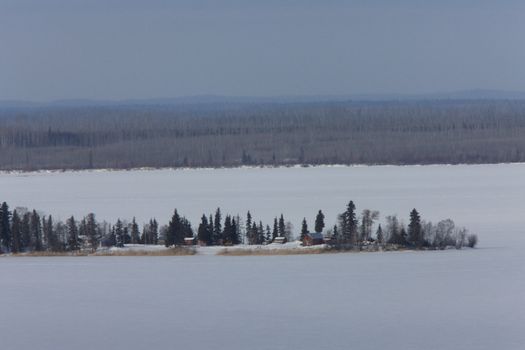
<point x="478" y="94"/>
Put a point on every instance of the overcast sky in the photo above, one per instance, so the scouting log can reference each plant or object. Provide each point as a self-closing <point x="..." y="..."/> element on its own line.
<point x="117" y="49"/>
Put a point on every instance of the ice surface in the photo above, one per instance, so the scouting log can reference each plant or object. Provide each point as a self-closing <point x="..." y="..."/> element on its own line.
<point x="469" y="299"/>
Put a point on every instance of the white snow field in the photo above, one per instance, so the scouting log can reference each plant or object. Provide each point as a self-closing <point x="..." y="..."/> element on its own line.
<point x="470" y="299"/>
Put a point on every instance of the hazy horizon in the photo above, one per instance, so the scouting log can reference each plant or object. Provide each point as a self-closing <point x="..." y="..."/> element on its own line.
<point x="117" y="50"/>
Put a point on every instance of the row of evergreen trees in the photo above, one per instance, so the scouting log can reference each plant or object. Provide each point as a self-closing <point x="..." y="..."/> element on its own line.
<point x="27" y="231"/>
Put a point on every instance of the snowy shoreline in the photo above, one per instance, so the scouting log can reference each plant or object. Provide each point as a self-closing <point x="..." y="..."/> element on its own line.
<point x="244" y="167"/>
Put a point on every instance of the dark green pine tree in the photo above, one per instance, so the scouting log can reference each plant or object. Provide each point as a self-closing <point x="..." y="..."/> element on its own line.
<point x="153" y="231"/>
<point x="304" y="229"/>
<point x="51" y="238"/>
<point x="415" y="234"/>
<point x="255" y="233"/>
<point x="260" y="233"/>
<point x="73" y="242"/>
<point x="319" y="222"/>
<point x="350" y="224"/>
<point x="248" y="225"/>
<point x="135" y="233"/>
<point x="204" y="232"/>
<point x="92" y="231"/>
<point x="282" y="226"/>
<point x="379" y="235"/>
<point x="227" y="232"/>
<point x="268" y="237"/>
<point x="36" y="232"/>
<point x="235" y="238"/>
<point x="335" y="233"/>
<point x="5" y="228"/>
<point x="25" y="233"/>
<point x="275" y="232"/>
<point x="217" y="227"/>
<point x="175" y="234"/>
<point x="16" y="233"/>
<point x="119" y="234"/>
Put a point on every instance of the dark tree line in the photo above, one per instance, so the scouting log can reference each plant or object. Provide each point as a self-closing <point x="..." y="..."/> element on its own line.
<point x="29" y="231"/>
<point x="410" y="132"/>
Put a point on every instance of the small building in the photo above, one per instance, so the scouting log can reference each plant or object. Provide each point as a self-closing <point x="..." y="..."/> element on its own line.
<point x="190" y="241"/>
<point x="279" y="240"/>
<point x="313" y="238"/>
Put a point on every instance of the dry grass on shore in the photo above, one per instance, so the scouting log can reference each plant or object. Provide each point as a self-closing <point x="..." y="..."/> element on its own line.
<point x="175" y="251"/>
<point x="259" y="252"/>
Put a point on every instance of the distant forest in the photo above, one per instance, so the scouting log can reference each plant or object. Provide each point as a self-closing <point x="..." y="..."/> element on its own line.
<point x="235" y="134"/>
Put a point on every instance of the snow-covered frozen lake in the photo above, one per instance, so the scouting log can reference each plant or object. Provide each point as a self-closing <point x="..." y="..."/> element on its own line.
<point x="487" y="199"/>
<point x="459" y="300"/>
<point x="470" y="299"/>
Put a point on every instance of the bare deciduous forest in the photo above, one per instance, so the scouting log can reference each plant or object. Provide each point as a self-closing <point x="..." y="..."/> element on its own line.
<point x="202" y="135"/>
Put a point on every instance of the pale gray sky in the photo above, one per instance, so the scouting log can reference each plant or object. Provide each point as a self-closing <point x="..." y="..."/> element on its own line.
<point x="117" y="49"/>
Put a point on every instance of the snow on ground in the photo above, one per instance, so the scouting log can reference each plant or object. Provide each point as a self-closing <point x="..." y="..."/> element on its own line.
<point x="213" y="250"/>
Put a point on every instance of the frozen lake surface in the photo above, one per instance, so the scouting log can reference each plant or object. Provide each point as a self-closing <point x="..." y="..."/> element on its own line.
<point x="470" y="299"/>
<point x="487" y="199"/>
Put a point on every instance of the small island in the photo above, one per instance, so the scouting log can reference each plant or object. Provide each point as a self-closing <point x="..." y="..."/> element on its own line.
<point x="28" y="232"/>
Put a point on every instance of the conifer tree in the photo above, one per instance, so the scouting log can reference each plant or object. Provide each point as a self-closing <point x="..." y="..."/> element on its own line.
<point x="5" y="227"/>
<point x="36" y="232"/>
<point x="119" y="234"/>
<point x="379" y="235"/>
<point x="16" y="233"/>
<point x="415" y="234"/>
<point x="176" y="230"/>
<point x="217" y="227"/>
<point x="282" y="226"/>
<point x="349" y="224"/>
<point x="204" y="232"/>
<point x="235" y="239"/>
<point x="319" y="222"/>
<point x="304" y="229"/>
<point x="72" y="235"/>
<point x="275" y="232"/>
<point x="227" y="232"/>
<point x="25" y="232"/>
<point x="260" y="233"/>
<point x="268" y="237"/>
<point x="135" y="235"/>
<point x="92" y="231"/>
<point x="248" y="224"/>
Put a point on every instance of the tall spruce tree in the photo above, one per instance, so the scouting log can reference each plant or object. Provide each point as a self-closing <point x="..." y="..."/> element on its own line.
<point x="73" y="242"/>
<point x="135" y="234"/>
<point x="36" y="232"/>
<point x="5" y="227"/>
<point x="282" y="226"/>
<point x="319" y="222"/>
<point x="275" y="231"/>
<point x="217" y="227"/>
<point x="204" y="233"/>
<point x="119" y="234"/>
<point x="379" y="235"/>
<point x="25" y="232"/>
<point x="304" y="229"/>
<point x="415" y="234"/>
<point x="349" y="224"/>
<point x="92" y="231"/>
<point x="16" y="233"/>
